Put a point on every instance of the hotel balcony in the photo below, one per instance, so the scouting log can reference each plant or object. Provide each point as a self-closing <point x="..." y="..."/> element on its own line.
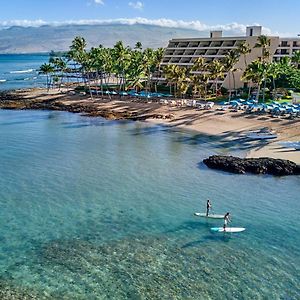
<point x="193" y="45"/>
<point x="200" y="52"/>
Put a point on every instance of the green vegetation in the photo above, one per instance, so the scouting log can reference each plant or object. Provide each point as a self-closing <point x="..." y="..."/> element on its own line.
<point x="268" y="80"/>
<point x="128" y="68"/>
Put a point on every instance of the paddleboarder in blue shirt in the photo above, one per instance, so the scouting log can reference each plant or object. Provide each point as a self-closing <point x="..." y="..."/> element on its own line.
<point x="226" y="220"/>
<point x="208" y="207"/>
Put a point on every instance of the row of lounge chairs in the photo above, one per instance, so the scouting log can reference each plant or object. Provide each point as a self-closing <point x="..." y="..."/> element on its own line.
<point x="187" y="103"/>
<point x="159" y="97"/>
<point x="132" y="93"/>
<point x="275" y="109"/>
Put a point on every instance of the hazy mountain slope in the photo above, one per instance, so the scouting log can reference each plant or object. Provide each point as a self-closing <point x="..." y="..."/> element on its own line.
<point x="46" y="38"/>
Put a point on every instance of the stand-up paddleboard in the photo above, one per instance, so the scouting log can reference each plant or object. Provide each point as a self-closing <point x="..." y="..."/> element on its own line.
<point x="228" y="229"/>
<point x="210" y="216"/>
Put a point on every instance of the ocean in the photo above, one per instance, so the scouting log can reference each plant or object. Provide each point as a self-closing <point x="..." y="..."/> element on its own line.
<point x="98" y="209"/>
<point x="21" y="71"/>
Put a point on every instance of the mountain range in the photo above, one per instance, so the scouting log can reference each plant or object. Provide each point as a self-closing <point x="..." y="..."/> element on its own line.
<point x="18" y="39"/>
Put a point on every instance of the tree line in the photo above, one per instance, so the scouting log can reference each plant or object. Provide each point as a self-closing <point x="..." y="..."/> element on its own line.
<point x="135" y="68"/>
<point x="130" y="68"/>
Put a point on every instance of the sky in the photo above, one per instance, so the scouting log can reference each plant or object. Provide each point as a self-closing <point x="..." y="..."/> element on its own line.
<point x="277" y="16"/>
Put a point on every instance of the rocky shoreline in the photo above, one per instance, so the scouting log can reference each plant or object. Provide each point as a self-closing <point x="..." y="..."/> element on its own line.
<point x="17" y="100"/>
<point x="263" y="165"/>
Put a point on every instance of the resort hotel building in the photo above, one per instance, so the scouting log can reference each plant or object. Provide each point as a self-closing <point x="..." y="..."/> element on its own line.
<point x="184" y="52"/>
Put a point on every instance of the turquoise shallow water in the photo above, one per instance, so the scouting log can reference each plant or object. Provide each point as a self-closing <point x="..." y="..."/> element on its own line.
<point x="21" y="71"/>
<point x="94" y="209"/>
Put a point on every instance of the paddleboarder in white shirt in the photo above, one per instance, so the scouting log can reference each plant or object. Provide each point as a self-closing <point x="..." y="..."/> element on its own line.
<point x="208" y="207"/>
<point x="226" y="220"/>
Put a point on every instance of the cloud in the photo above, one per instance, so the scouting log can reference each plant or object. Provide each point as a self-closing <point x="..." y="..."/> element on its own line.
<point x="136" y="5"/>
<point x="229" y="29"/>
<point x="99" y="2"/>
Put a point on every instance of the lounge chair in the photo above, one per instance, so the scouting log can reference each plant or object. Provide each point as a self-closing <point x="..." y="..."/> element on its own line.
<point x="209" y="105"/>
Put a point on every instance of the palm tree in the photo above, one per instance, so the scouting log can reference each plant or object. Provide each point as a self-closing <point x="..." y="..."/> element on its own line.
<point x="121" y="59"/>
<point x="200" y="67"/>
<point x="87" y="66"/>
<point x="47" y="69"/>
<point x="264" y="43"/>
<point x="244" y="49"/>
<point x="136" y="71"/>
<point x="78" y="54"/>
<point x="196" y="84"/>
<point x="255" y="72"/>
<point x="97" y="61"/>
<point x="138" y="46"/>
<point x="157" y="59"/>
<point x="107" y="64"/>
<point x="216" y="72"/>
<point x="176" y="76"/>
<point x="149" y="65"/>
<point x="296" y="58"/>
<point x="230" y="61"/>
<point x="274" y="71"/>
<point x="60" y="66"/>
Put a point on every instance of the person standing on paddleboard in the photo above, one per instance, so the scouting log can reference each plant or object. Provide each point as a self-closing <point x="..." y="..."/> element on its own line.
<point x="208" y="207"/>
<point x="226" y="220"/>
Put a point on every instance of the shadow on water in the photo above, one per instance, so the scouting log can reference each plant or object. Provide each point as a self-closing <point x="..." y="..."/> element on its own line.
<point x="93" y="123"/>
<point x="158" y="129"/>
<point x="227" y="140"/>
<point x="26" y="119"/>
<point x="190" y="225"/>
<point x="214" y="237"/>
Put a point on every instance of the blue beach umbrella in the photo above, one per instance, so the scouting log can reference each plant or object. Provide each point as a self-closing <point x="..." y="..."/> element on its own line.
<point x="132" y="92"/>
<point x="234" y="103"/>
<point x="292" y="110"/>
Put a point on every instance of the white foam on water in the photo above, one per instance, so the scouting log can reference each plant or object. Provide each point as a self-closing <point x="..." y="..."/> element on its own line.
<point x="22" y="71"/>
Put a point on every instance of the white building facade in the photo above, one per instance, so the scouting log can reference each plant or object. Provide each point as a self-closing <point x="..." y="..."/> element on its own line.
<point x="184" y="52"/>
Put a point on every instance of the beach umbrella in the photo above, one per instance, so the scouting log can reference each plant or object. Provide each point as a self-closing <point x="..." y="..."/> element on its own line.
<point x="132" y="92"/>
<point x="292" y="110"/>
<point x="224" y="103"/>
<point x="234" y="103"/>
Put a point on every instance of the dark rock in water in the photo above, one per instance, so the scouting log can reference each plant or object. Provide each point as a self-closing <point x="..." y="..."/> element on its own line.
<point x="262" y="165"/>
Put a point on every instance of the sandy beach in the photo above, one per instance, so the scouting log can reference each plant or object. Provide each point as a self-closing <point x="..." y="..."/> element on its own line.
<point x="224" y="125"/>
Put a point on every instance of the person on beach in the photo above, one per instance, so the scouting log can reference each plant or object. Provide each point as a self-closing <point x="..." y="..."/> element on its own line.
<point x="226" y="220"/>
<point x="208" y="207"/>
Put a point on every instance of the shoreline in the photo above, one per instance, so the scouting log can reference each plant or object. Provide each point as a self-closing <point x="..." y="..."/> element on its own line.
<point x="227" y="127"/>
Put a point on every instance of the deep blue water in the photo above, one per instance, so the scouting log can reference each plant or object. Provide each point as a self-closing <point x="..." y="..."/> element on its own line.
<point x="96" y="209"/>
<point x="21" y="70"/>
